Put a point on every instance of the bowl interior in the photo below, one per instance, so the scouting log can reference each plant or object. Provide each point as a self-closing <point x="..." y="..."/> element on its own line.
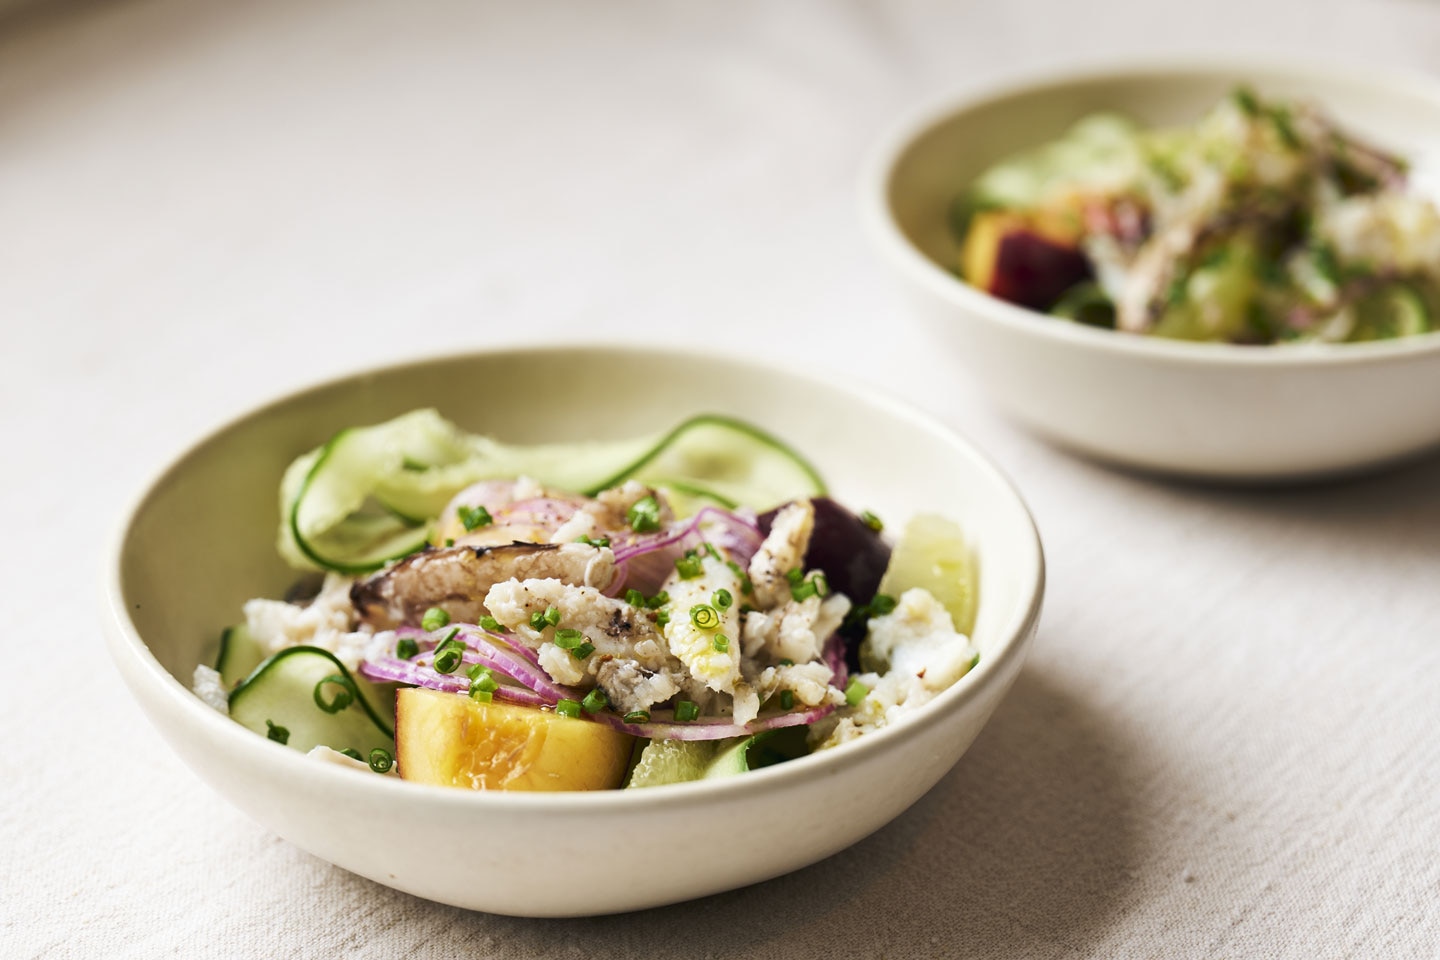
<point x="201" y="541"/>
<point x="935" y="158"/>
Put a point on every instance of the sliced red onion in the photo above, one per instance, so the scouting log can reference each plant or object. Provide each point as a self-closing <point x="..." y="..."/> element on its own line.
<point x="395" y="670"/>
<point x="548" y="513"/>
<point x="711" y="728"/>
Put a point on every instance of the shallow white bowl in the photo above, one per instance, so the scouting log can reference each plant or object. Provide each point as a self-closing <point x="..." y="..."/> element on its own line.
<point x="200" y="541"/>
<point x="1205" y="410"/>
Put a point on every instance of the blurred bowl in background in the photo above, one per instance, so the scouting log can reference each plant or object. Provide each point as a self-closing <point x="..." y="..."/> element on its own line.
<point x="1206" y="410"/>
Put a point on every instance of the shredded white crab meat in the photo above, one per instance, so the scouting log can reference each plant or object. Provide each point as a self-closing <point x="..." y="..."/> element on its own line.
<point x="783" y="551"/>
<point x="923" y="654"/>
<point x="327" y="622"/>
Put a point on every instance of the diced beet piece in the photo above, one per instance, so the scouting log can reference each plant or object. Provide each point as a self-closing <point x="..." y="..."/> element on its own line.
<point x="1033" y="271"/>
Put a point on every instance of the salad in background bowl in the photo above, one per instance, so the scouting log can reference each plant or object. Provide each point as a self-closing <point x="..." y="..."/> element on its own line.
<point x="200" y="543"/>
<point x="1278" y="319"/>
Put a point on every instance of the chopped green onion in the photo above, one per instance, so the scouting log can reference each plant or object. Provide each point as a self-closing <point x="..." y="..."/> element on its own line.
<point x="804" y="590"/>
<point x="583" y="651"/>
<point x="594" y="541"/>
<point x="634" y="597"/>
<point x="795" y="575"/>
<point x="659" y="600"/>
<point x="722" y="599"/>
<point x="449" y="654"/>
<point x="710" y="548"/>
<point x="449" y="541"/>
<point x="662" y="618"/>
<point x="483" y="682"/>
<point x="568" y="708"/>
<point x="406" y="648"/>
<point x="343" y="696"/>
<point x="881" y="604"/>
<point x="872" y="521"/>
<point x="721" y="643"/>
<point x="689" y="567"/>
<point x="637" y="716"/>
<point x="539" y="621"/>
<point x="595" y="701"/>
<point x="855" y="692"/>
<point x="685" y="711"/>
<point x="644" y="515"/>
<point x="481" y="696"/>
<point x="473" y="517"/>
<point x="434" y="619"/>
<point x="822" y="583"/>
<point x="351" y="752"/>
<point x="276" y="732"/>
<point x="704" y="616"/>
<point x="490" y="625"/>
<point x="787" y="699"/>
<point x="381" y="760"/>
<point x="568" y="639"/>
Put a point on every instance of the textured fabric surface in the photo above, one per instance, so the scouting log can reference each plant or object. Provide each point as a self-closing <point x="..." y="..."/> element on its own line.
<point x="1224" y="742"/>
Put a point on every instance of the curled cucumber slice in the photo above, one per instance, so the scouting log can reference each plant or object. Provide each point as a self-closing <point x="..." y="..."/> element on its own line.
<point x="282" y="698"/>
<point x="369" y="494"/>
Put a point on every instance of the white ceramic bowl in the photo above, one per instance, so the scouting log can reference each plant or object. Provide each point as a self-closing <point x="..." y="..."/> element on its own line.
<point x="1205" y="410"/>
<point x="200" y="541"/>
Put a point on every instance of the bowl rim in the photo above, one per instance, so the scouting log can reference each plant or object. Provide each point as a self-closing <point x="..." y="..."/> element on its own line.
<point x="896" y="143"/>
<point x="140" y="667"/>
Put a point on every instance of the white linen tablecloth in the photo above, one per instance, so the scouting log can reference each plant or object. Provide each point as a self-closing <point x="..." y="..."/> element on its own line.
<point x="1225" y="742"/>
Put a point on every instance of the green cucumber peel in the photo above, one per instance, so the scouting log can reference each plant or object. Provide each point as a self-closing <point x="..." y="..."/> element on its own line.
<point x="280" y="690"/>
<point x="356" y="503"/>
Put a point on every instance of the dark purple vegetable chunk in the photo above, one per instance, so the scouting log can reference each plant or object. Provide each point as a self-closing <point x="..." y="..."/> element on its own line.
<point x="1034" y="271"/>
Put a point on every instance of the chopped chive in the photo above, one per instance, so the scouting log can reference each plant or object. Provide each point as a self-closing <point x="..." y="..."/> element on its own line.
<point x="449" y="654"/>
<point x="662" y="618"/>
<point x="872" y="521"/>
<point x="704" y="616"/>
<point x="644" y="515"/>
<point x="804" y="590"/>
<point x="659" y="600"/>
<point x="276" y="732"/>
<point x="568" y="639"/>
<point x="568" y="708"/>
<point x="689" y="567"/>
<point x="634" y="597"/>
<point x="822" y="583"/>
<point x="710" y="548"/>
<point x="344" y="696"/>
<point x="484" y="682"/>
<point x="583" y="651"/>
<point x="855" y="692"/>
<point x="721" y="643"/>
<point x="406" y="648"/>
<point x="686" y="710"/>
<point x="637" y="716"/>
<point x="722" y="599"/>
<point x="786" y="662"/>
<point x="552" y="616"/>
<point x="595" y="701"/>
<point x="539" y="621"/>
<point x="795" y="575"/>
<point x="787" y="699"/>
<point x="473" y="517"/>
<point x="490" y="625"/>
<point x="594" y="541"/>
<point x="449" y="541"/>
<point x="434" y="619"/>
<point x="351" y="752"/>
<point x="747" y="585"/>
<point x="974" y="662"/>
<point x="381" y="760"/>
<point x="881" y="604"/>
<point x="481" y="696"/>
<point x="1245" y="99"/>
